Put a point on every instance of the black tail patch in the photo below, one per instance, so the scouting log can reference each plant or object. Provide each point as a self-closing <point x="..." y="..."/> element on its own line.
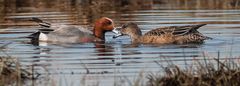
<point x="34" y="38"/>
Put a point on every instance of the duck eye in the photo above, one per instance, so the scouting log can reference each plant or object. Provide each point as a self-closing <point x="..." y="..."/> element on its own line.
<point x="108" y="22"/>
<point x="124" y="26"/>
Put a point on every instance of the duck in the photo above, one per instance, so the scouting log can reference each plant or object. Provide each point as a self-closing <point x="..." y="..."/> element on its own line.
<point x="163" y="35"/>
<point x="70" y="33"/>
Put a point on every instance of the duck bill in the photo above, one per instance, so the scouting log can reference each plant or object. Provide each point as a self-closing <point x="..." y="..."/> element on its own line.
<point x="117" y="32"/>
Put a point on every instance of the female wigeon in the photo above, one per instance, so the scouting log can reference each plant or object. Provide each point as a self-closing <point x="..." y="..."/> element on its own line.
<point x="72" y="34"/>
<point x="164" y="35"/>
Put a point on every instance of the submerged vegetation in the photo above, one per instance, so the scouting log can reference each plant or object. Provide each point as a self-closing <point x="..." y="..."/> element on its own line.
<point x="1" y="10"/>
<point x="203" y="74"/>
<point x="12" y="73"/>
<point x="60" y="5"/>
<point x="93" y="9"/>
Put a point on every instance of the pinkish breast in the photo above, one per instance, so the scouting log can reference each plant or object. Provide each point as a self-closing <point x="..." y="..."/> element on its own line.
<point x="86" y="39"/>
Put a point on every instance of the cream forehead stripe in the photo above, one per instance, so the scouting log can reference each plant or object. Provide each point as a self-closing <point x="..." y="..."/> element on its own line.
<point x="109" y="19"/>
<point x="43" y="37"/>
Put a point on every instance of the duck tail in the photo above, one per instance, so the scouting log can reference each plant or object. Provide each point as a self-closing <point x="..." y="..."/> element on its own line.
<point x="41" y="22"/>
<point x="34" y="36"/>
<point x="199" y="25"/>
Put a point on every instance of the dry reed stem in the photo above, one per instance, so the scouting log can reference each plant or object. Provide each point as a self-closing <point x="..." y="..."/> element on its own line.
<point x="205" y="74"/>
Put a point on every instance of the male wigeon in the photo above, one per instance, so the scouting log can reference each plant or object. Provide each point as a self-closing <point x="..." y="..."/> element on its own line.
<point x="164" y="35"/>
<point x="72" y="34"/>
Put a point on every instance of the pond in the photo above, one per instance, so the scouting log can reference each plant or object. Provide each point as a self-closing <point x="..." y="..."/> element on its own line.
<point x="117" y="62"/>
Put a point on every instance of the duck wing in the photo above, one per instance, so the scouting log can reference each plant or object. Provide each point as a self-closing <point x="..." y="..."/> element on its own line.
<point x="175" y="30"/>
<point x="71" y="34"/>
<point x="71" y="31"/>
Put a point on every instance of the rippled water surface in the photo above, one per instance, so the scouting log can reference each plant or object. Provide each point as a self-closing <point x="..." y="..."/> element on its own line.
<point x="117" y="61"/>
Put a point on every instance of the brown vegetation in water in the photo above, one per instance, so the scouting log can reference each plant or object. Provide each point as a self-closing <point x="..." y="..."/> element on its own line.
<point x="11" y="73"/>
<point x="202" y="4"/>
<point x="204" y="75"/>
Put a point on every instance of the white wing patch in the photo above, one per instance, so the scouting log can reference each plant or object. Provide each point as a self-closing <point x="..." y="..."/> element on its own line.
<point x="43" y="37"/>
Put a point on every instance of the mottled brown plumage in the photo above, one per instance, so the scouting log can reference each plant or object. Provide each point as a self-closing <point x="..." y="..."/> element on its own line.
<point x="164" y="35"/>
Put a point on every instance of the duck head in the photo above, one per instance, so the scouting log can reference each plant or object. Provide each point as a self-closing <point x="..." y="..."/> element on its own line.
<point x="131" y="29"/>
<point x="103" y="25"/>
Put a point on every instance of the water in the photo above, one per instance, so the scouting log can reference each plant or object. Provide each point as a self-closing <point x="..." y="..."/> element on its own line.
<point x="117" y="61"/>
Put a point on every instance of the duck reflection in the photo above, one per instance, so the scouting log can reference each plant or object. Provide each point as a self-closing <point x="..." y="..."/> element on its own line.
<point x="103" y="49"/>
